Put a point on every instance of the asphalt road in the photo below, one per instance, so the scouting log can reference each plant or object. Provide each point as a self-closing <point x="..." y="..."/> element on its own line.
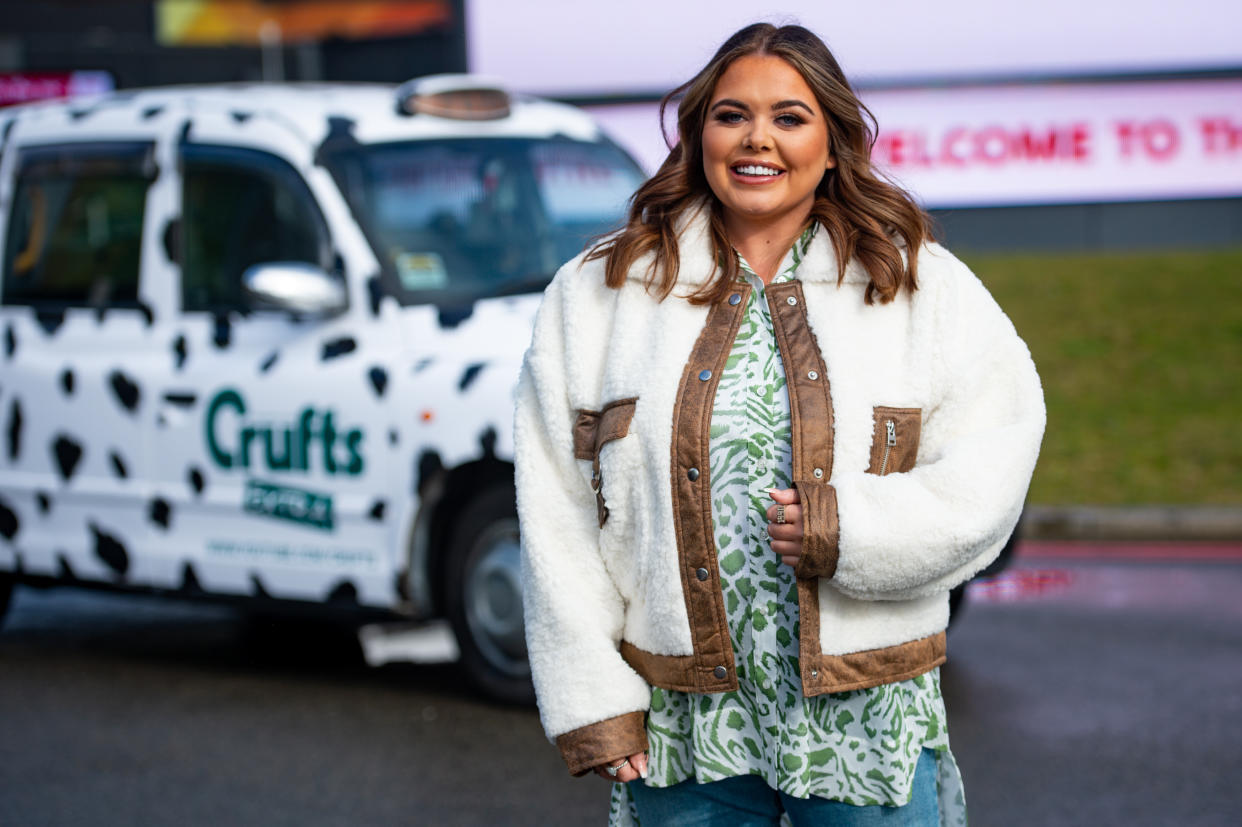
<point x="1084" y="688"/>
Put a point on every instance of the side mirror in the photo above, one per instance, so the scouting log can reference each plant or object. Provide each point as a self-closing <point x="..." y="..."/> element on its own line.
<point x="295" y="286"/>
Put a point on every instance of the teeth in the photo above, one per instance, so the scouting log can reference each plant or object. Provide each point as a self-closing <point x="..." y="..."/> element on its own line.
<point x="754" y="169"/>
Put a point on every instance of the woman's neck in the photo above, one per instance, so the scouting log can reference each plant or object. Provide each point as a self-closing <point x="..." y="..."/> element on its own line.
<point x="764" y="244"/>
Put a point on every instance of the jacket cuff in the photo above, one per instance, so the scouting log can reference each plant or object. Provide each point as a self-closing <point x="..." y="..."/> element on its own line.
<point x="605" y="742"/>
<point x="821" y="532"/>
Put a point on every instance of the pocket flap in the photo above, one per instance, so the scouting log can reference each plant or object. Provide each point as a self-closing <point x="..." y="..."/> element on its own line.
<point x="594" y="429"/>
<point x="895" y="439"/>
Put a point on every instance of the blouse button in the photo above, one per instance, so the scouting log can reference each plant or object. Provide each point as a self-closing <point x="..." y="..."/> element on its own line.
<point x="693" y="474"/>
<point x="720" y="672"/>
<point x="735" y="299"/>
<point x="792" y="300"/>
<point x="702" y="574"/>
<point x="705" y="374"/>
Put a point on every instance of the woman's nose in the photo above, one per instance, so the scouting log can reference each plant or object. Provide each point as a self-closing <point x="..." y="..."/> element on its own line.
<point x="757" y="137"/>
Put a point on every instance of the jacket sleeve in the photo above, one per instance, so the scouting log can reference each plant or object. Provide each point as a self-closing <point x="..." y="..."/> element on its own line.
<point x="591" y="702"/>
<point x="908" y="535"/>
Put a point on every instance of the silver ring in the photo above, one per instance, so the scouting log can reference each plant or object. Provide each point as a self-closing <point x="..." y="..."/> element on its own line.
<point x="613" y="770"/>
<point x="780" y="513"/>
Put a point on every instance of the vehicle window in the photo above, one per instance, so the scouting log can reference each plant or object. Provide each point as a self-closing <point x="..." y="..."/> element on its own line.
<point x="75" y="231"/>
<point x="453" y="220"/>
<point x="240" y="208"/>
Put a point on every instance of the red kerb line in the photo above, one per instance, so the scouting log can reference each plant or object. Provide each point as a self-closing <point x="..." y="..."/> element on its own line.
<point x="1149" y="550"/>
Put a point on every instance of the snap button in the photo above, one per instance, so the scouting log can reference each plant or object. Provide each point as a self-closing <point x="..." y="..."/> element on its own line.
<point x="819" y="473"/>
<point x="792" y="300"/>
<point x="705" y="374"/>
<point x="735" y="298"/>
<point x="693" y="474"/>
<point x="720" y="672"/>
<point x="813" y="375"/>
<point x="702" y="574"/>
<point x="814" y="673"/>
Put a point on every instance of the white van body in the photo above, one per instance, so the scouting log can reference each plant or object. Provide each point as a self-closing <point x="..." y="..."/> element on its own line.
<point x="165" y="432"/>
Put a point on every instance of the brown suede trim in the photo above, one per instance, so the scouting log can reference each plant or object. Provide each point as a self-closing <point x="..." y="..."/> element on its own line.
<point x="810" y="411"/>
<point x="862" y="670"/>
<point x="605" y="742"/>
<point x="665" y="671"/>
<point x="907" y="426"/>
<point x="820" y="530"/>
<point x="593" y="430"/>
<point x="713" y="669"/>
<point x="810" y="399"/>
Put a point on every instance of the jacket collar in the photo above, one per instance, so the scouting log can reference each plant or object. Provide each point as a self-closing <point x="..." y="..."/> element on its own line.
<point x="697" y="264"/>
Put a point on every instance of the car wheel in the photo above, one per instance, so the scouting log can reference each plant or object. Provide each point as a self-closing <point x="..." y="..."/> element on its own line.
<point x="6" y="594"/>
<point x="483" y="596"/>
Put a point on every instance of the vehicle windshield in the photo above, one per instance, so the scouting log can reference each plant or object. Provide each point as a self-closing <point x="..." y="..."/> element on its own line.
<point x="457" y="220"/>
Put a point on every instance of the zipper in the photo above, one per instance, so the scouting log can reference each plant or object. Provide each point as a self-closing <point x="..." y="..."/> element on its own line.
<point x="891" y="427"/>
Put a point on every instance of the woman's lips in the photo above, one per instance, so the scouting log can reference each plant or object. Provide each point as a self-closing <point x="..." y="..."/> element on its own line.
<point x="755" y="173"/>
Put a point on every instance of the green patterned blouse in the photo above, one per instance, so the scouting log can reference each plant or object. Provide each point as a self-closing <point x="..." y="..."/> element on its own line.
<point x="858" y="747"/>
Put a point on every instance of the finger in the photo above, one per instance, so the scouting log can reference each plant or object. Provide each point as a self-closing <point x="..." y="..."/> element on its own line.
<point x="787" y="548"/>
<point x="793" y="514"/>
<point x="788" y="496"/>
<point x="639" y="762"/>
<point x="791" y="561"/>
<point x="790" y="536"/>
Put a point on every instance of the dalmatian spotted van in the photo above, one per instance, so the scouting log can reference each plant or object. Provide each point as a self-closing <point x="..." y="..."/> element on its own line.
<point x="260" y="342"/>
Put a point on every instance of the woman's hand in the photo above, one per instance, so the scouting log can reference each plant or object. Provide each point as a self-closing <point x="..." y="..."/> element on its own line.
<point x="634" y="769"/>
<point x="787" y="536"/>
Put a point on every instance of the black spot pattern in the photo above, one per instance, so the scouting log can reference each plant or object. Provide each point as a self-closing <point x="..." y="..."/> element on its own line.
<point x="160" y="512"/>
<point x="345" y="593"/>
<point x="377" y="510"/>
<point x="429" y="467"/>
<point x="66" y="381"/>
<point x="15" y="430"/>
<point x="338" y="347"/>
<point x="393" y="436"/>
<point x="223" y="333"/>
<point x="451" y="317"/>
<point x="64" y="570"/>
<point x="469" y="375"/>
<point x="151" y="112"/>
<point x="267" y="363"/>
<point x="487" y="442"/>
<point x="375" y="292"/>
<point x="118" y="465"/>
<point x="195" y="478"/>
<point x="423" y="363"/>
<point x="44" y="501"/>
<point x="79" y="114"/>
<point x="125" y="390"/>
<point x="182" y="399"/>
<point x="148" y="313"/>
<point x="401" y="585"/>
<point x="10" y="342"/>
<point x="9" y="524"/>
<point x="67" y="453"/>
<point x="240" y="117"/>
<point x="379" y="380"/>
<point x="256" y="587"/>
<point x="110" y="551"/>
<point x="189" y="580"/>
<point x="180" y="350"/>
<point x="50" y="320"/>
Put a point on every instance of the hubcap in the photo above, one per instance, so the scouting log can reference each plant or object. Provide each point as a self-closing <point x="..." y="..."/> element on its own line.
<point x="493" y="598"/>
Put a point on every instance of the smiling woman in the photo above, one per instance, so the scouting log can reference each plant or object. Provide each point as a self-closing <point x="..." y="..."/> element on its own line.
<point x="761" y="432"/>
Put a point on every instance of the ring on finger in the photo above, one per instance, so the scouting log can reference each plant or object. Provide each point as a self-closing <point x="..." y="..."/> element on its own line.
<point x="780" y="513"/>
<point x="616" y="768"/>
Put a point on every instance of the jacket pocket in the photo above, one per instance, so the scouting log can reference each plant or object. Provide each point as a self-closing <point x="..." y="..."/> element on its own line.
<point x="595" y="429"/>
<point x="895" y="439"/>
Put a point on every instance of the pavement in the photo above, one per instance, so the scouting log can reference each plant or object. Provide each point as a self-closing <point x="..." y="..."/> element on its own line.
<point x="1218" y="523"/>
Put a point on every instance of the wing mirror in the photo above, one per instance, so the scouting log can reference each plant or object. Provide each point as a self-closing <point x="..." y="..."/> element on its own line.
<point x="295" y="286"/>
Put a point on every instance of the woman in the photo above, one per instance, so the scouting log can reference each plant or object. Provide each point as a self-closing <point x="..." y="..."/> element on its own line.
<point x="758" y="441"/>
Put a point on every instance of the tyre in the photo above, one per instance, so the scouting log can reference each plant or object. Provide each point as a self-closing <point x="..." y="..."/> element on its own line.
<point x="483" y="596"/>
<point x="6" y="594"/>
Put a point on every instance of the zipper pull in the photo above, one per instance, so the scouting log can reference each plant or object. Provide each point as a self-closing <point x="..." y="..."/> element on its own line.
<point x="891" y="428"/>
<point x="892" y="432"/>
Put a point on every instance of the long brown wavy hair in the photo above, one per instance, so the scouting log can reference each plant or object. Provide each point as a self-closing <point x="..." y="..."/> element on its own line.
<point x="865" y="215"/>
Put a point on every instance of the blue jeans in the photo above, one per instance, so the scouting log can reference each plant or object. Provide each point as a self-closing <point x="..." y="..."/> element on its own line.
<point x="747" y="801"/>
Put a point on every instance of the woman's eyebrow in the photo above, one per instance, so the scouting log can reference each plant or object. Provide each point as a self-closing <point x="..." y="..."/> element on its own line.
<point x="730" y="102"/>
<point x="791" y="102"/>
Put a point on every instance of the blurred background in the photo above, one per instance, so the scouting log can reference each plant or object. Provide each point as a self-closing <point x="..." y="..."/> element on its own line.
<point x="1085" y="158"/>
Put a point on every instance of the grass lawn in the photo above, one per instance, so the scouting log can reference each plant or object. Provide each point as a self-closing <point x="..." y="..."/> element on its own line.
<point x="1141" y="361"/>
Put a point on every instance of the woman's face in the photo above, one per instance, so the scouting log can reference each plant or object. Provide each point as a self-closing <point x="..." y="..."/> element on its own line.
<point x="765" y="142"/>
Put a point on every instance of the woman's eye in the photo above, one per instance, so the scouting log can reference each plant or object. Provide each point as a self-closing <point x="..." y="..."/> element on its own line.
<point x="788" y="120"/>
<point x="729" y="117"/>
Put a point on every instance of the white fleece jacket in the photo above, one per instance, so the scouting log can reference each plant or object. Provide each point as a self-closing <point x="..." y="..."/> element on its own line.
<point x="905" y="538"/>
